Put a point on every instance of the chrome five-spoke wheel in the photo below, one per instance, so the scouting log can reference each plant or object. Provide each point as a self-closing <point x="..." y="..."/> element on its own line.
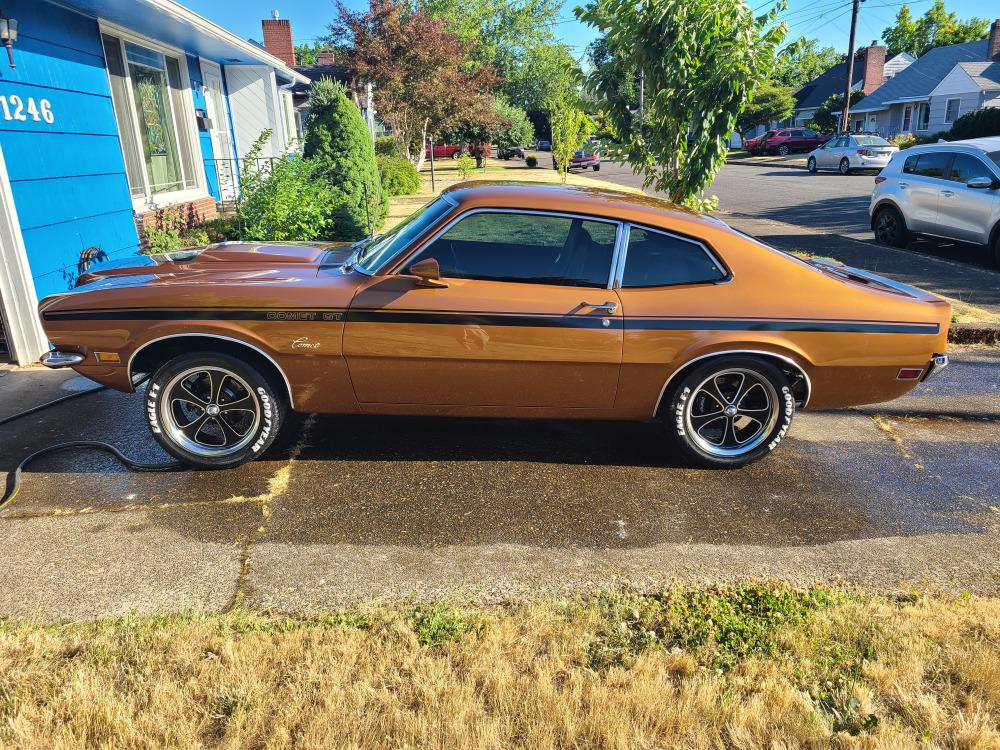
<point x="732" y="412"/>
<point x="210" y="411"/>
<point x="213" y="410"/>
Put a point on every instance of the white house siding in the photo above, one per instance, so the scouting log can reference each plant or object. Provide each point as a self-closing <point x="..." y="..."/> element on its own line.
<point x="255" y="107"/>
<point x="968" y="102"/>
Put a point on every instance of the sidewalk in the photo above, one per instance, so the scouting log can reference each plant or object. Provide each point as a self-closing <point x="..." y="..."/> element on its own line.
<point x="969" y="284"/>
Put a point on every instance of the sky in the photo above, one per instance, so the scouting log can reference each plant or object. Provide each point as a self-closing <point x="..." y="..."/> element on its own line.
<point x="827" y="20"/>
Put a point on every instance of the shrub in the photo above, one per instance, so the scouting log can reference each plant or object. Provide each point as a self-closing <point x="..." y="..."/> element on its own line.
<point x="338" y="140"/>
<point x="385" y="145"/>
<point x="465" y="165"/>
<point x="288" y="199"/>
<point x="531" y="160"/>
<point x="978" y="124"/>
<point x="163" y="233"/>
<point x="399" y="177"/>
<point x="221" y="229"/>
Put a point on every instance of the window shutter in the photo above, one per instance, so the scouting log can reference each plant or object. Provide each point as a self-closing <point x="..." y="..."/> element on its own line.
<point x="123" y="112"/>
<point x="177" y="93"/>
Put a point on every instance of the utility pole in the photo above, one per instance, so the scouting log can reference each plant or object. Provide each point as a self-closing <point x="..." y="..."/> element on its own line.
<point x="642" y="97"/>
<point x="845" y="121"/>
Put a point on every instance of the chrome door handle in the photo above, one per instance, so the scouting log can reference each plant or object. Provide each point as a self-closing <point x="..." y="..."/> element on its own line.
<point x="904" y="185"/>
<point x="608" y="307"/>
<point x="947" y="193"/>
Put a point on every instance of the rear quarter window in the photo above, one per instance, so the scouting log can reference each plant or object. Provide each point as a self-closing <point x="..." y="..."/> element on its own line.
<point x="656" y="259"/>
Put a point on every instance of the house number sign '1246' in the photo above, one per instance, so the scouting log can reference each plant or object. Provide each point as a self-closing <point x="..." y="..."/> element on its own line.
<point x="13" y="107"/>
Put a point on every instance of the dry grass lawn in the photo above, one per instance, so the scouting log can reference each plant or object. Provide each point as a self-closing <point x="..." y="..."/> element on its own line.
<point x="755" y="666"/>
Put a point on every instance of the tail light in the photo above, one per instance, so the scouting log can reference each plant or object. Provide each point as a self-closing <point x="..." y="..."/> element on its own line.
<point x="879" y="180"/>
<point x="864" y="152"/>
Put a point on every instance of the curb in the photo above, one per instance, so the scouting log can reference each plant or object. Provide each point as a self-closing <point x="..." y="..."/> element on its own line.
<point x="749" y="161"/>
<point x="974" y="333"/>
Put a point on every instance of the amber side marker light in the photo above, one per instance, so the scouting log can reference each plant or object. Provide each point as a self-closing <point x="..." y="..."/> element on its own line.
<point x="108" y="358"/>
<point x="909" y="373"/>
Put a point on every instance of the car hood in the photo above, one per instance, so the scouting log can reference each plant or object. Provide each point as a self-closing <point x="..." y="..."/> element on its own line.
<point x="224" y="258"/>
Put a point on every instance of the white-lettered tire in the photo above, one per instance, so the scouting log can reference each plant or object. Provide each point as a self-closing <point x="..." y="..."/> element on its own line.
<point x="729" y="411"/>
<point x="213" y="411"/>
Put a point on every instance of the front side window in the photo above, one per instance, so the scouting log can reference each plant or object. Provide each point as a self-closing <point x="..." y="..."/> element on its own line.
<point x="149" y="99"/>
<point x="932" y="165"/>
<point x="526" y="248"/>
<point x="966" y="167"/>
<point x="656" y="259"/>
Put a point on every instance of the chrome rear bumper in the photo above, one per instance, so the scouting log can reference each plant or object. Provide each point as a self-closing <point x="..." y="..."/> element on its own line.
<point x="57" y="359"/>
<point x="938" y="363"/>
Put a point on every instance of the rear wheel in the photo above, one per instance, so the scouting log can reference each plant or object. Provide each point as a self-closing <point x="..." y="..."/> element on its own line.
<point x="811" y="165"/>
<point x="597" y="167"/>
<point x="845" y="166"/>
<point x="730" y="411"/>
<point x="213" y="411"/>
<point x="890" y="228"/>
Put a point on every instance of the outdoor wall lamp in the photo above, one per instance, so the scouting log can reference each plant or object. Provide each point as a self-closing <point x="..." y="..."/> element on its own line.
<point x="8" y="35"/>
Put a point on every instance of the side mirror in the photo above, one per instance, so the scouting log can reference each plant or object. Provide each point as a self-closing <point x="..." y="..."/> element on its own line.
<point x="981" y="183"/>
<point x="428" y="273"/>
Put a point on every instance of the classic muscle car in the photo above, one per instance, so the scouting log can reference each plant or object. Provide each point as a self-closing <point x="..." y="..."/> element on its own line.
<point x="499" y="300"/>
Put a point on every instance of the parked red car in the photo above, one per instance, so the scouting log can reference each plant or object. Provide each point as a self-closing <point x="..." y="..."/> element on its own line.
<point x="788" y="140"/>
<point x="753" y="145"/>
<point x="453" y="152"/>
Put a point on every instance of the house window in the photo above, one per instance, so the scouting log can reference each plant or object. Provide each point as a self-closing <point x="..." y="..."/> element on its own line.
<point x="951" y="110"/>
<point x="923" y="116"/>
<point x="907" y="113"/>
<point x="154" y="116"/>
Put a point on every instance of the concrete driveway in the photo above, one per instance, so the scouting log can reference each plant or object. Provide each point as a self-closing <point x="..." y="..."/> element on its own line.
<point x="902" y="495"/>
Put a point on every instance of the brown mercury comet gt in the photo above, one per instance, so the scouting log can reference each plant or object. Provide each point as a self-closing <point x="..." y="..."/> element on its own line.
<point x="499" y="300"/>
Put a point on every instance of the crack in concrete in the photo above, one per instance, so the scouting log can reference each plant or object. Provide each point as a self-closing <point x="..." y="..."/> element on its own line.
<point x="277" y="485"/>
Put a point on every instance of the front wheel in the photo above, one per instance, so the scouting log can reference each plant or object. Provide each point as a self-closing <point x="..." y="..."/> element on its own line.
<point x="811" y="165"/>
<point x="213" y="411"/>
<point x="597" y="167"/>
<point x="730" y="411"/>
<point x="783" y="150"/>
<point x="845" y="166"/>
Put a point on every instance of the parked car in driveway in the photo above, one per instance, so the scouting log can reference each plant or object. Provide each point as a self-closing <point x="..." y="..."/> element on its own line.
<point x="784" y="142"/>
<point x="544" y="146"/>
<point x="499" y="300"/>
<point x="847" y="152"/>
<point x="949" y="190"/>
<point x="755" y="145"/>
<point x="444" y="151"/>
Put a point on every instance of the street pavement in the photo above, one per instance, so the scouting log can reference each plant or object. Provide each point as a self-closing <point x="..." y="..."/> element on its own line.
<point x="344" y="510"/>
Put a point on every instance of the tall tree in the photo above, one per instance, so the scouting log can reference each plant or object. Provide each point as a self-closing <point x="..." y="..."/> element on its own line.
<point x="419" y="69"/>
<point x="570" y="128"/>
<point x="621" y="78"/>
<point x="801" y="61"/>
<point x="769" y="103"/>
<point x="505" y="126"/>
<point x="826" y="118"/>
<point x="305" y="54"/>
<point x="702" y="60"/>
<point x="936" y="28"/>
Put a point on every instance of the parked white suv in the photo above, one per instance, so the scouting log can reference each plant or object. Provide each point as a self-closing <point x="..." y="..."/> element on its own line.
<point x="949" y="190"/>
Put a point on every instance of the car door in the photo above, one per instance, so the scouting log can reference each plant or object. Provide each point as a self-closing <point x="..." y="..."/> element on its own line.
<point x="922" y="180"/>
<point x="966" y="213"/>
<point x="525" y="317"/>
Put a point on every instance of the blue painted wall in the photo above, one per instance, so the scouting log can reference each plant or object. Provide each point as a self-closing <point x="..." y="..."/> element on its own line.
<point x="204" y="137"/>
<point x="68" y="177"/>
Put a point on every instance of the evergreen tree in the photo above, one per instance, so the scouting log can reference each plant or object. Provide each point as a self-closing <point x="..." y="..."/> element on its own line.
<point x="338" y="139"/>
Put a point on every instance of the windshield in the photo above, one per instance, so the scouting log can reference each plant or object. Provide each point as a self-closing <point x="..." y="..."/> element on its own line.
<point x="871" y="140"/>
<point x="373" y="254"/>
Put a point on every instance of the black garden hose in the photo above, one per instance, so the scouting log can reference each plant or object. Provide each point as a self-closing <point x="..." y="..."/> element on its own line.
<point x="14" y="477"/>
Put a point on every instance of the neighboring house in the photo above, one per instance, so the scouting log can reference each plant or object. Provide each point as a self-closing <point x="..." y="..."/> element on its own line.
<point x="929" y="95"/>
<point x="115" y="111"/>
<point x="279" y="42"/>
<point x="871" y="70"/>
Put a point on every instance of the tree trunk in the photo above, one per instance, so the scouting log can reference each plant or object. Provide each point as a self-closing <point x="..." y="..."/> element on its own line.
<point x="422" y="154"/>
<point x="478" y="149"/>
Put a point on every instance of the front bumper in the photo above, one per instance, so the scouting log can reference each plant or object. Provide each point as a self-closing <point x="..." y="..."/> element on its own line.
<point x="56" y="359"/>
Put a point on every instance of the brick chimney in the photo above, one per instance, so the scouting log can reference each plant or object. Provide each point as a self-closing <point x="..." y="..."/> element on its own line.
<point x="278" y="38"/>
<point x="874" y="57"/>
<point x="326" y="58"/>
<point x="993" y="47"/>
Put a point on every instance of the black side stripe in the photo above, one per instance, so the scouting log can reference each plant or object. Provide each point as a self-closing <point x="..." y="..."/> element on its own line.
<point x="537" y="320"/>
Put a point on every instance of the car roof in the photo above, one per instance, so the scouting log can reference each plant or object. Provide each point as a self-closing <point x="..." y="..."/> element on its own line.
<point x="986" y="145"/>
<point x="594" y="201"/>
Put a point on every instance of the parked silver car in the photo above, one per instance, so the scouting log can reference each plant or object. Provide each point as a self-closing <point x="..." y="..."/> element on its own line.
<point x="847" y="152"/>
<point x="949" y="190"/>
